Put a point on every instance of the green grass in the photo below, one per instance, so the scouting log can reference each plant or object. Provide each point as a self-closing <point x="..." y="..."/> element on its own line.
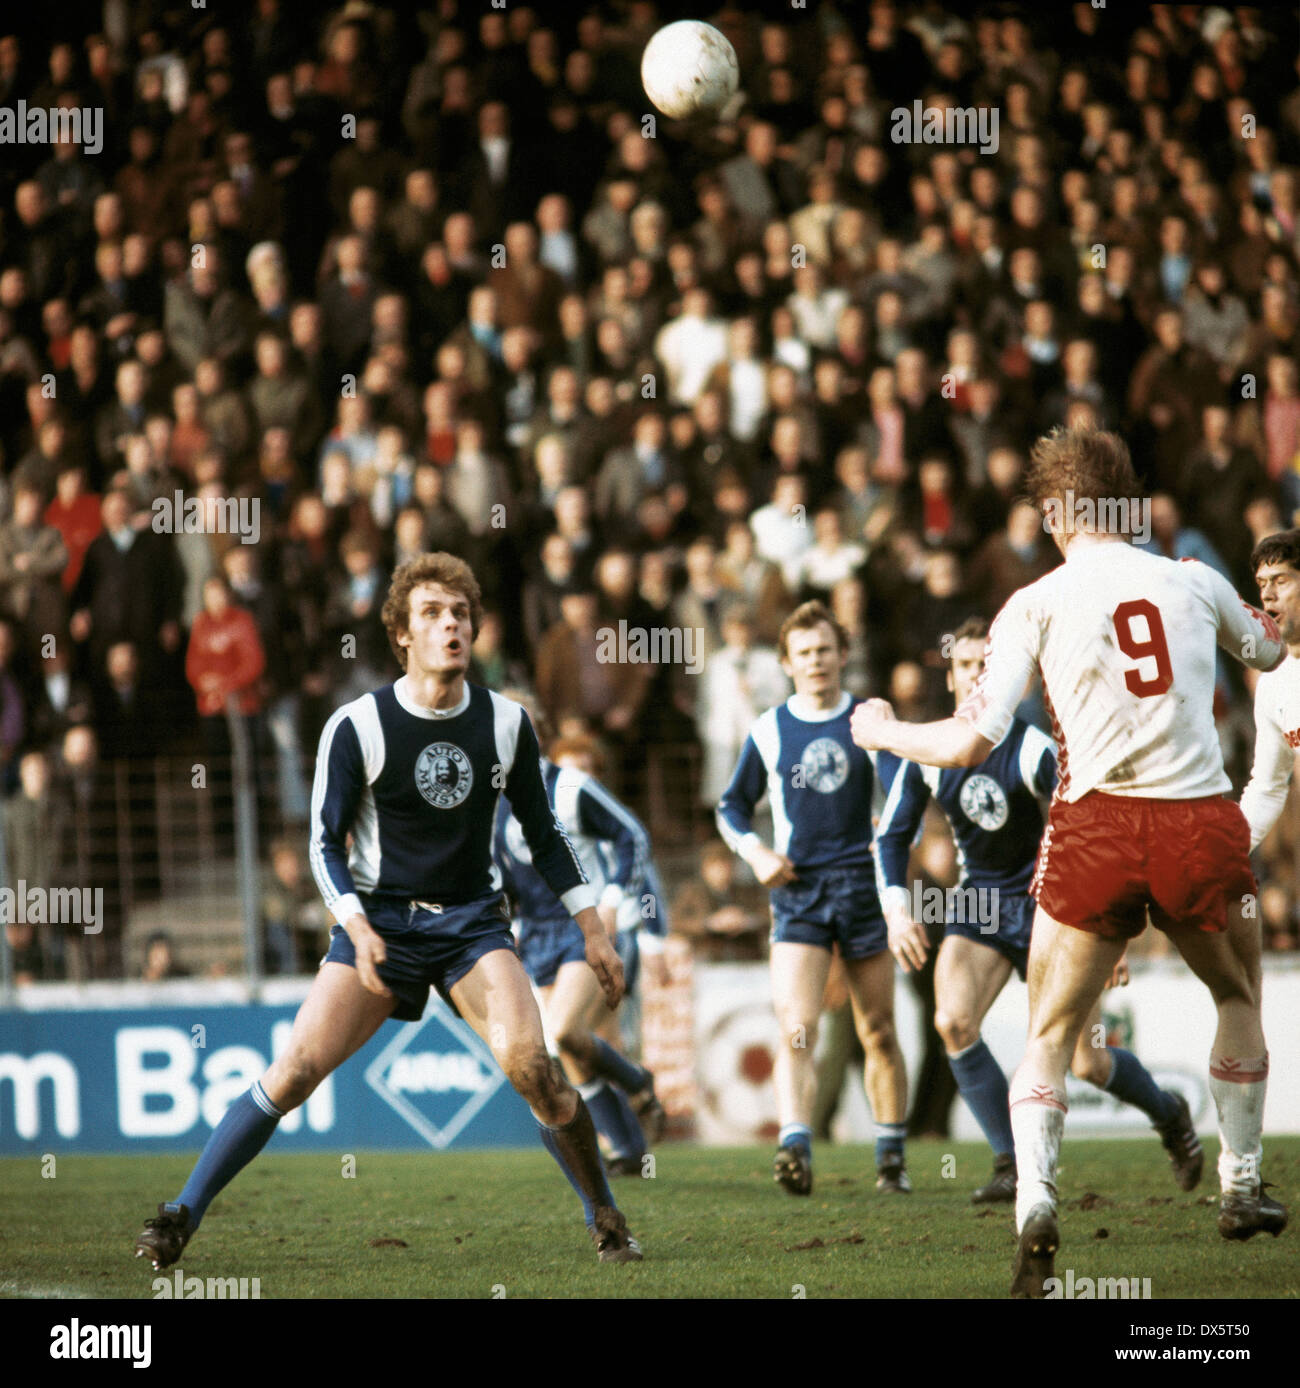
<point x="712" y="1222"/>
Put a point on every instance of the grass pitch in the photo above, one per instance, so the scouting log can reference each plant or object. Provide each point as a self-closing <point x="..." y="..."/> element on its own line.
<point x="712" y="1222"/>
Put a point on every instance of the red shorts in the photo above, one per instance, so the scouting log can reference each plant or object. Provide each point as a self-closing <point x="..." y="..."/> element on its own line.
<point x="1106" y="859"/>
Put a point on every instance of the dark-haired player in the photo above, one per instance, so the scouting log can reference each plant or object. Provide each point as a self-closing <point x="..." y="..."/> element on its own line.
<point x="995" y="811"/>
<point x="413" y="772"/>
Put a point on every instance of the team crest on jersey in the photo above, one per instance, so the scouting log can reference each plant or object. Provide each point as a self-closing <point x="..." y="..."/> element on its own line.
<point x="443" y="775"/>
<point x="825" y="765"/>
<point x="983" y="802"/>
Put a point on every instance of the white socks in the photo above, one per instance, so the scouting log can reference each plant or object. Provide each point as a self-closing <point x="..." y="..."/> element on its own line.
<point x="1238" y="1087"/>
<point x="1037" y="1122"/>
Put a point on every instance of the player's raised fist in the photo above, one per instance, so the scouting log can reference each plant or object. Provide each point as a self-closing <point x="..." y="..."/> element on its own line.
<point x="868" y="723"/>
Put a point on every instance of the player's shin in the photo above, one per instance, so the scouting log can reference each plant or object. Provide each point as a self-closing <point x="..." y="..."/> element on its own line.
<point x="574" y="1147"/>
<point x="236" y="1140"/>
<point x="1037" y="1122"/>
<point x="1238" y="1086"/>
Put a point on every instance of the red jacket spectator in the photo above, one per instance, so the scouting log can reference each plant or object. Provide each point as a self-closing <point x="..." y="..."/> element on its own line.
<point x="75" y="514"/>
<point x="225" y="655"/>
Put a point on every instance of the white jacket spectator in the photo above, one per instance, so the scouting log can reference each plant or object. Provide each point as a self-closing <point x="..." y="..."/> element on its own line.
<point x="739" y="682"/>
<point x="691" y="346"/>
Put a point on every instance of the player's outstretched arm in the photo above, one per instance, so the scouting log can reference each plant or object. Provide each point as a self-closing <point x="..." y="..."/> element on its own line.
<point x="949" y="742"/>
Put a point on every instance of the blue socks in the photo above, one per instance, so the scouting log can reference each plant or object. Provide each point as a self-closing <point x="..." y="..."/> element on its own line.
<point x="625" y="1073"/>
<point x="984" y="1087"/>
<point x="235" y="1141"/>
<point x="1131" y="1081"/>
<point x="889" y="1143"/>
<point x="614" y="1119"/>
<point x="574" y="1148"/>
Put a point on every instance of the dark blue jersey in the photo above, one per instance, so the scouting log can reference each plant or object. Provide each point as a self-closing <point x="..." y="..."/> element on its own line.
<point x="995" y="810"/>
<point x="818" y="782"/>
<point x="611" y="843"/>
<point x="418" y="792"/>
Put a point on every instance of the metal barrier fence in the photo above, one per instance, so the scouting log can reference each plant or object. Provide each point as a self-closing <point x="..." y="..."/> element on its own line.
<point x="200" y="848"/>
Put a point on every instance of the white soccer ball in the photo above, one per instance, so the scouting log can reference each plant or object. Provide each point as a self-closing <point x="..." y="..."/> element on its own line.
<point x="689" y="69"/>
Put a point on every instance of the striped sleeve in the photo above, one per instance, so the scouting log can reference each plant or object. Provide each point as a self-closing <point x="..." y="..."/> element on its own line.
<point x="735" y="813"/>
<point x="336" y="792"/>
<point x="899" y="821"/>
<point x="600" y="816"/>
<point x="554" y="857"/>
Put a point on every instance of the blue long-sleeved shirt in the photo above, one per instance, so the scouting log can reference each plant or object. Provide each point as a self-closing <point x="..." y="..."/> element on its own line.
<point x="418" y="792"/>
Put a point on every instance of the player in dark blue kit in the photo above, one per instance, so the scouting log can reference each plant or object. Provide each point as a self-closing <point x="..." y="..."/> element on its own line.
<point x="414" y="772"/>
<point x="995" y="811"/>
<point x="822" y="876"/>
<point x="614" y="849"/>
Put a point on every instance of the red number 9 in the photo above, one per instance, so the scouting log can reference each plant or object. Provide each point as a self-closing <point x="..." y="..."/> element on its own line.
<point x="1155" y="647"/>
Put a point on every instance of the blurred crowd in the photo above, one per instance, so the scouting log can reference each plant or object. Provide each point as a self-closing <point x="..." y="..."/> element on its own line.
<point x="343" y="286"/>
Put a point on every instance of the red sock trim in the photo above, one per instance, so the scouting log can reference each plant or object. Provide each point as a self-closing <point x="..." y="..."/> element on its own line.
<point x="1234" y="1071"/>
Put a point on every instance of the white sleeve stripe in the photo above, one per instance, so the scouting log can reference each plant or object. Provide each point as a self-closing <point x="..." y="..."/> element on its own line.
<point x="639" y="836"/>
<point x="315" y="852"/>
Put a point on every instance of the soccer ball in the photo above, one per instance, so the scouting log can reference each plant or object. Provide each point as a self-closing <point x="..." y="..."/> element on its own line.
<point x="689" y="69"/>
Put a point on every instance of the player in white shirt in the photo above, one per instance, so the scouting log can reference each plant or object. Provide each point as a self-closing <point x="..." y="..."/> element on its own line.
<point x="1125" y="643"/>
<point x="1276" y="561"/>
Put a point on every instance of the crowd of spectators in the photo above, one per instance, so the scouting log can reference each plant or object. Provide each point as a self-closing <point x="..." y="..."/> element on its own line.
<point x="388" y="280"/>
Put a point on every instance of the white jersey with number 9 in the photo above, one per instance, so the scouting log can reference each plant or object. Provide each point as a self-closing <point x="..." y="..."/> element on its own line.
<point x="1125" y="642"/>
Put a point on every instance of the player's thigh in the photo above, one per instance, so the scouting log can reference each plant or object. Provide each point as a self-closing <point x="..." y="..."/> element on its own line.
<point x="968" y="977"/>
<point x="337" y="1017"/>
<point x="799" y="973"/>
<point x="574" y="998"/>
<point x="1068" y="969"/>
<point x="1226" y="961"/>
<point x="496" y="999"/>
<point x="871" y="990"/>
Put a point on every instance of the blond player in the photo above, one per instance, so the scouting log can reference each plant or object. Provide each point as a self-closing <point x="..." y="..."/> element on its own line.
<point x="1125" y="643"/>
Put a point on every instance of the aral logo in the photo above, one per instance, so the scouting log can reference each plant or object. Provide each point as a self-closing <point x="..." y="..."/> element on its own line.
<point x="437" y="1074"/>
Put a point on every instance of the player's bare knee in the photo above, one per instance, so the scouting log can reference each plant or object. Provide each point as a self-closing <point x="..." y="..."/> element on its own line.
<point x="1090" y="1063"/>
<point x="876" y="1032"/>
<point x="536" y="1077"/>
<point x="798" y="1028"/>
<point x="956" y="1028"/>
<point x="575" y="1040"/>
<point x="294" y="1078"/>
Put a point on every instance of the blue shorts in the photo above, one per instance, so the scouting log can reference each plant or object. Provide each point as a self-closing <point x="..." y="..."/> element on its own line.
<point x="428" y="948"/>
<point x="545" y="949"/>
<point x="829" y="907"/>
<point x="1010" y="937"/>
